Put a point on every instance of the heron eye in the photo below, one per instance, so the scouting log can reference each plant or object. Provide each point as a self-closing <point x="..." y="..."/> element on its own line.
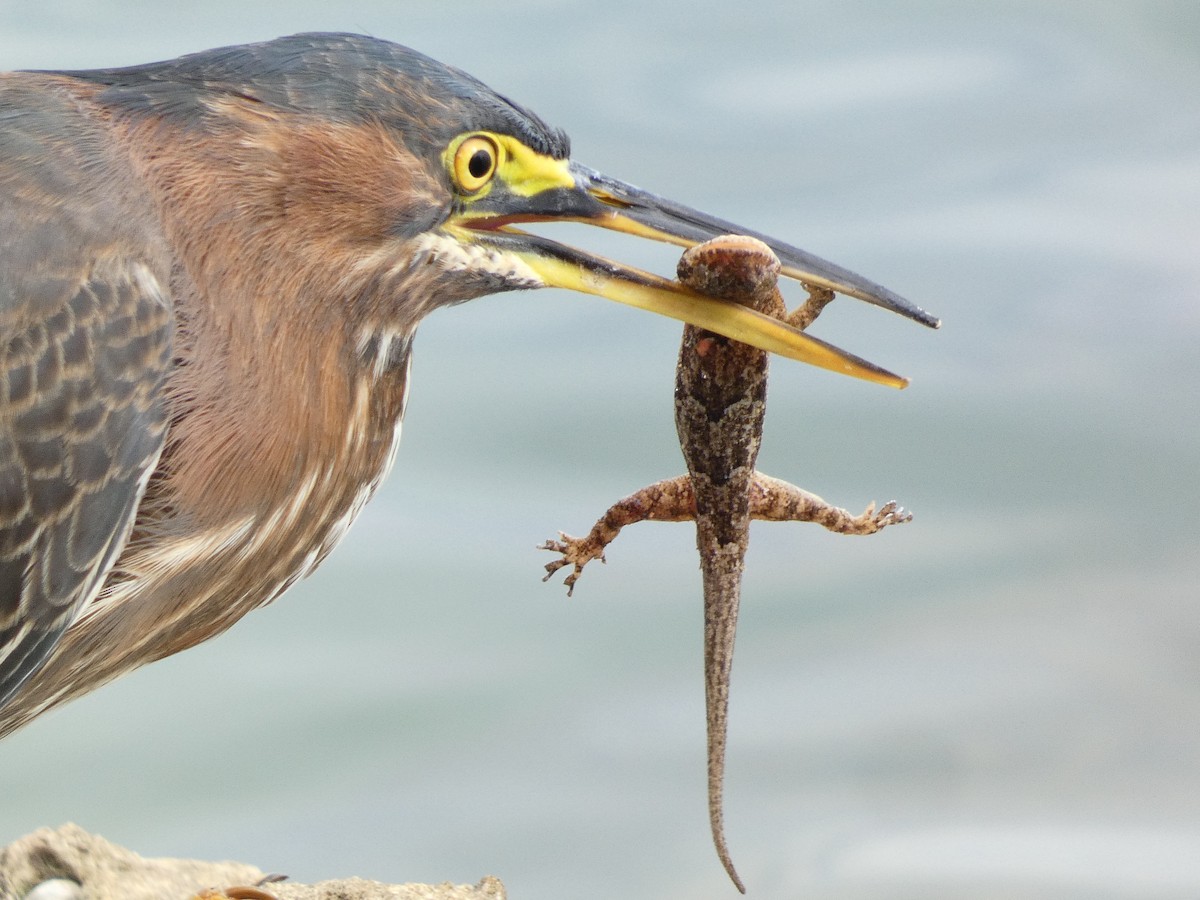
<point x="475" y="163"/>
<point x="480" y="164"/>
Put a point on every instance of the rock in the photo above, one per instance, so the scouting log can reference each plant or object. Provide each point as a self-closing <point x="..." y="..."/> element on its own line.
<point x="56" y="889"/>
<point x="71" y="864"/>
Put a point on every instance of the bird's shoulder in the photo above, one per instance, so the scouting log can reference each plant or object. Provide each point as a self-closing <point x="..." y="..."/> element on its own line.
<point x="85" y="343"/>
<point x="70" y="198"/>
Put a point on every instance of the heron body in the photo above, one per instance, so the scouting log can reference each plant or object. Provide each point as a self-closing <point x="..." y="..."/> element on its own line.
<point x="211" y="273"/>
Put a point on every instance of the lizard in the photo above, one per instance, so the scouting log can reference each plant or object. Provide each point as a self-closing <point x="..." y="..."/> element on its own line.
<point x="720" y="404"/>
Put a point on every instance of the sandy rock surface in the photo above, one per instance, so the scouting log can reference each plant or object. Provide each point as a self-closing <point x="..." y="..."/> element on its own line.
<point x="68" y="863"/>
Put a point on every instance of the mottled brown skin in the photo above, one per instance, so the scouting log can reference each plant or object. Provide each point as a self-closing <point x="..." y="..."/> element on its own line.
<point x="720" y="404"/>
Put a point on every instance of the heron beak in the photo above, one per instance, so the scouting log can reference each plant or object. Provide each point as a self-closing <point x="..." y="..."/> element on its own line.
<point x="586" y="196"/>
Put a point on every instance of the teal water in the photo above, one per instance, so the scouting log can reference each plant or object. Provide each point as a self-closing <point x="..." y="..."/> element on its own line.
<point x="999" y="700"/>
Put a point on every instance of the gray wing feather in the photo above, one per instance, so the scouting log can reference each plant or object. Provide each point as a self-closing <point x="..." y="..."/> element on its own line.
<point x="85" y="342"/>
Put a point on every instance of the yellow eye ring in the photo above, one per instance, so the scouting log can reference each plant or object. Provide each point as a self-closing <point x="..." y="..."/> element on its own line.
<point x="475" y="163"/>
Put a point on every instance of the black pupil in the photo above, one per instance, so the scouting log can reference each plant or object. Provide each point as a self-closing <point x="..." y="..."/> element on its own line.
<point x="479" y="164"/>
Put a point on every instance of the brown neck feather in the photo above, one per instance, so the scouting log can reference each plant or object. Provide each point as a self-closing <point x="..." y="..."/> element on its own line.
<point x="286" y="259"/>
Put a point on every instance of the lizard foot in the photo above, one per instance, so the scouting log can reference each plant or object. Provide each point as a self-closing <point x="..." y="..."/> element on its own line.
<point x="890" y="513"/>
<point x="577" y="552"/>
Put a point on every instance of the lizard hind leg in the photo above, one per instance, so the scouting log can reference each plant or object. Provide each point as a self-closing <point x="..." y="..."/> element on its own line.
<point x="670" y="500"/>
<point x="577" y="552"/>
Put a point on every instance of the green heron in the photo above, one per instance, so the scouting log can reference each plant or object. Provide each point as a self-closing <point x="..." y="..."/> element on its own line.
<point x="211" y="272"/>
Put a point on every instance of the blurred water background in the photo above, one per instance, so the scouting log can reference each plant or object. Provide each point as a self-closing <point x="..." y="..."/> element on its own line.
<point x="1001" y="699"/>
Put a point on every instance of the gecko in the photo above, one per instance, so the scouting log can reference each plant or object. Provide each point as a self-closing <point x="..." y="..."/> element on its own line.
<point x="720" y="404"/>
